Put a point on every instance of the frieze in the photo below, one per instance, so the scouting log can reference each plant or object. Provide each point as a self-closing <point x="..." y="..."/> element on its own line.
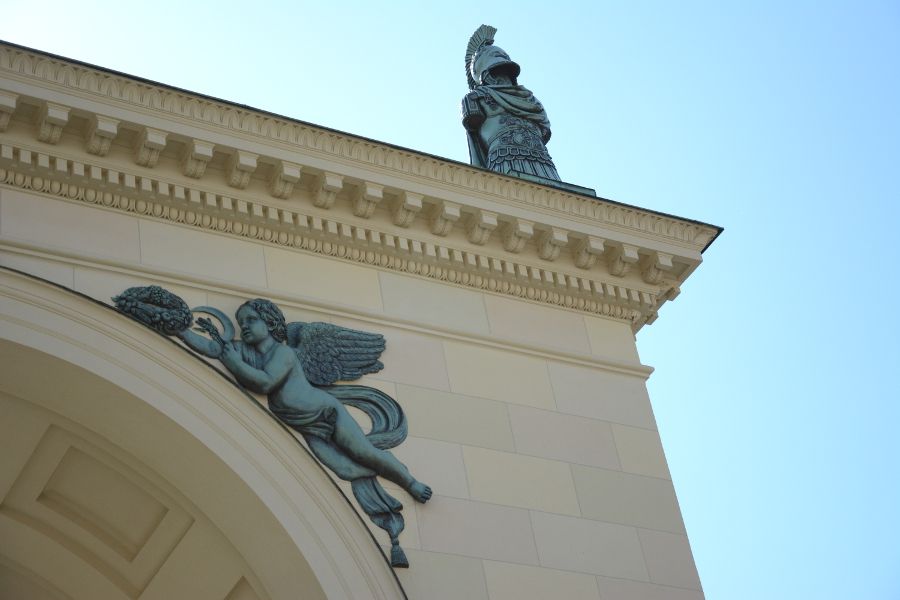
<point x="22" y="63"/>
<point x="154" y="198"/>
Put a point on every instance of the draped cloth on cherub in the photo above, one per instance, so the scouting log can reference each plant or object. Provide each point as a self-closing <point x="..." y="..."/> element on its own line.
<point x="388" y="430"/>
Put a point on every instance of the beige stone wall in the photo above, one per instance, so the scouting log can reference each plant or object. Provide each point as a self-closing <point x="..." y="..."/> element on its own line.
<point x="531" y="423"/>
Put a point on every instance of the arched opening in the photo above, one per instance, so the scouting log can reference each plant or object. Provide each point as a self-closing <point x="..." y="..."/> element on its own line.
<point x="130" y="470"/>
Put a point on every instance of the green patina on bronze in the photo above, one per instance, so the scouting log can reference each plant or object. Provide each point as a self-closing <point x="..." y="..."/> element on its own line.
<point x="507" y="126"/>
<point x="297" y="365"/>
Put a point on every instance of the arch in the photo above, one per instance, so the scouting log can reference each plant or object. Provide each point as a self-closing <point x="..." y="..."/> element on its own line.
<point x="131" y="459"/>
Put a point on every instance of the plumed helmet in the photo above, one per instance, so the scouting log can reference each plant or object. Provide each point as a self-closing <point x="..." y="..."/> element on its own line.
<point x="482" y="56"/>
<point x="490" y="57"/>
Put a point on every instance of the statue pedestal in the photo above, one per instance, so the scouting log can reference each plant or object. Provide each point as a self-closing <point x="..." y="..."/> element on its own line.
<point x="570" y="187"/>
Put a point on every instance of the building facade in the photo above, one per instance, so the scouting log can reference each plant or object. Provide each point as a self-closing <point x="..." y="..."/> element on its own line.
<point x="132" y="468"/>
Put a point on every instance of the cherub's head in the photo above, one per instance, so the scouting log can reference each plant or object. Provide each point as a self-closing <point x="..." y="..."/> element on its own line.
<point x="268" y="313"/>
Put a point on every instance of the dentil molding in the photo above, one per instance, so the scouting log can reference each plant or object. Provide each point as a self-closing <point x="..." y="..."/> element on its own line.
<point x="601" y="258"/>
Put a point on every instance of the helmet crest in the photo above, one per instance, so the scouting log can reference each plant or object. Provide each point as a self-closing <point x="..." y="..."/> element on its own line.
<point x="482" y="56"/>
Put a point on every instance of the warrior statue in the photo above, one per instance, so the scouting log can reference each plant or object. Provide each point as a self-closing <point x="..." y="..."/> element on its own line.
<point x="296" y="366"/>
<point x="506" y="125"/>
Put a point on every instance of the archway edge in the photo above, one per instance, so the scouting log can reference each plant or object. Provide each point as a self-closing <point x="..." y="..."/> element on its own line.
<point x="315" y="523"/>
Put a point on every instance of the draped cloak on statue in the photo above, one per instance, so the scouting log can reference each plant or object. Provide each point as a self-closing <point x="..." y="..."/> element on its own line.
<point x="520" y="145"/>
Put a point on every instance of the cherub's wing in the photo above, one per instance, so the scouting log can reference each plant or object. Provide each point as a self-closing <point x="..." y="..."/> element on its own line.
<point x="330" y="353"/>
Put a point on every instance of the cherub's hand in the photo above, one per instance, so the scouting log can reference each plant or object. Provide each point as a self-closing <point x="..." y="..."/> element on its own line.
<point x="206" y="326"/>
<point x="230" y="355"/>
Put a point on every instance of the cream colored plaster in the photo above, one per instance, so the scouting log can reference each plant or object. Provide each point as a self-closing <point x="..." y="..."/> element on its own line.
<point x="529" y="323"/>
<point x="437" y="576"/>
<point x="588" y="546"/>
<point x="322" y="278"/>
<point x="623" y="589"/>
<point x="195" y="570"/>
<point x="523" y="481"/>
<point x="611" y="339"/>
<point x="669" y="559"/>
<point x="628" y="499"/>
<point x="563" y="437"/>
<point x="456" y="418"/>
<point x="409" y="358"/>
<point x="517" y="582"/>
<point x="59" y="273"/>
<point x="439" y="464"/>
<point x="57" y="224"/>
<point x="241" y="591"/>
<point x="601" y="395"/>
<point x="476" y="529"/>
<point x="30" y="427"/>
<point x="229" y="304"/>
<point x="498" y="375"/>
<point x="640" y="451"/>
<point x="103" y="285"/>
<point x="212" y="256"/>
<point x="433" y="303"/>
<point x="16" y="583"/>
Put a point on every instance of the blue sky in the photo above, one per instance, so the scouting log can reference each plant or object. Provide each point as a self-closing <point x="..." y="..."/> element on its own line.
<point x="776" y="387"/>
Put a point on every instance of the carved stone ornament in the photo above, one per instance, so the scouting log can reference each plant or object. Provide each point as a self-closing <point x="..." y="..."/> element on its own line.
<point x="241" y="166"/>
<point x="516" y="234"/>
<point x="51" y="120"/>
<point x="196" y="156"/>
<point x="150" y="143"/>
<point x="296" y="365"/>
<point x="405" y="208"/>
<point x="100" y="134"/>
<point x="8" y="103"/>
<point x="284" y="176"/>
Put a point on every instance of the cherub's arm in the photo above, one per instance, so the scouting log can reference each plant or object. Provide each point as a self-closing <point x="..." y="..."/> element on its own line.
<point x="262" y="381"/>
<point x="198" y="343"/>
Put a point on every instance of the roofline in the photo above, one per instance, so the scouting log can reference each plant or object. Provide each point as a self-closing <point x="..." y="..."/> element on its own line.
<point x="144" y="80"/>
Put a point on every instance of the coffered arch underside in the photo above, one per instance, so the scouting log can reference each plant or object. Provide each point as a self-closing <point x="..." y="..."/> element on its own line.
<point x="130" y="472"/>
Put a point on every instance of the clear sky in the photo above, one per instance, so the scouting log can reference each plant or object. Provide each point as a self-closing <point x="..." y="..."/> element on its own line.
<point x="776" y="387"/>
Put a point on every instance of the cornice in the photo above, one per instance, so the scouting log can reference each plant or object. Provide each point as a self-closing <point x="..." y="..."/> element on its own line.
<point x="331" y="194"/>
<point x="122" y="191"/>
<point x="195" y="108"/>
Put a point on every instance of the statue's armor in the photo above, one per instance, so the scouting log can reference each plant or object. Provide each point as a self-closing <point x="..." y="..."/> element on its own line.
<point x="512" y="144"/>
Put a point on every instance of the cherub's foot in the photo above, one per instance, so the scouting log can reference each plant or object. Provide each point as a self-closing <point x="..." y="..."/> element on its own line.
<point x="419" y="491"/>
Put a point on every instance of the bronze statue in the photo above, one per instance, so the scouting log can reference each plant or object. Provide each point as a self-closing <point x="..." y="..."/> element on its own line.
<point x="507" y="126"/>
<point x="296" y="365"/>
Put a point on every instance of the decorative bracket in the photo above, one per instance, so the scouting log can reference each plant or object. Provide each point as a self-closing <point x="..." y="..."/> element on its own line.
<point x="328" y="186"/>
<point x="7" y="108"/>
<point x="550" y="241"/>
<point x="284" y="176"/>
<point x="241" y="166"/>
<point x="480" y="225"/>
<point x="443" y="217"/>
<point x="516" y="234"/>
<point x="197" y="155"/>
<point x="101" y="132"/>
<point x="366" y="198"/>
<point x="406" y="207"/>
<point x="621" y="258"/>
<point x="150" y="143"/>
<point x="586" y="251"/>
<point x="655" y="265"/>
<point x="51" y="120"/>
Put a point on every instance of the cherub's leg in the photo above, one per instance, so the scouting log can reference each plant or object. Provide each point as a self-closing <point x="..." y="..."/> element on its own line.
<point x="350" y="438"/>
